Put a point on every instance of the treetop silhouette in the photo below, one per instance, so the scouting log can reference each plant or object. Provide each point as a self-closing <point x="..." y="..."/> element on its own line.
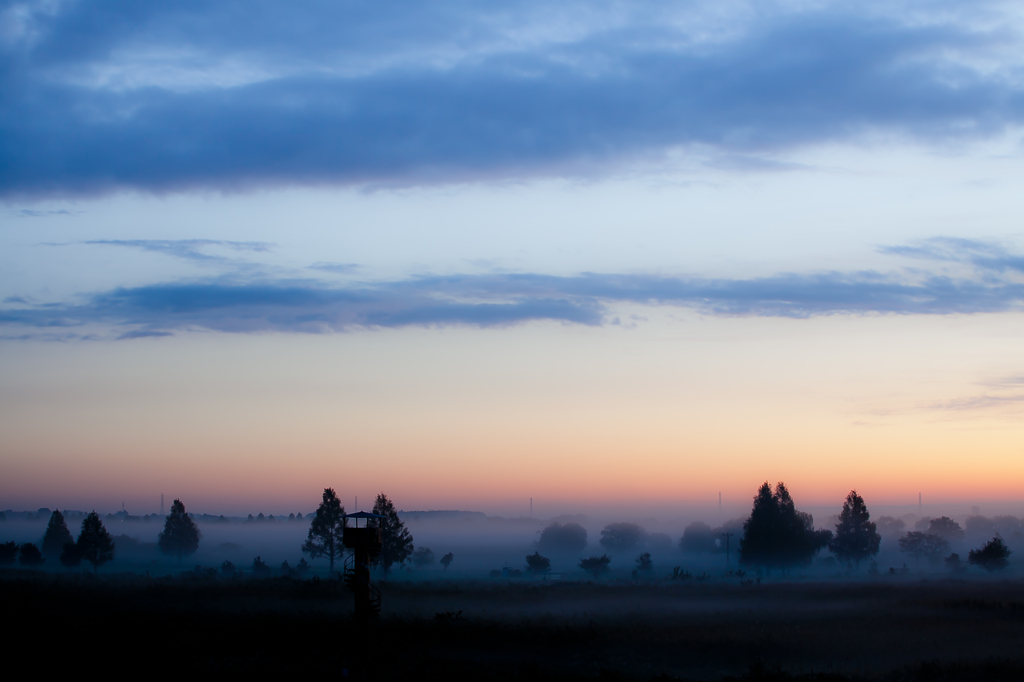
<point x="397" y="542"/>
<point x="325" y="538"/>
<point x="855" y="537"/>
<point x="777" y="535"/>
<point x="180" y="536"/>
<point x="994" y="555"/>
<point x="56" y="535"/>
<point x="94" y="542"/>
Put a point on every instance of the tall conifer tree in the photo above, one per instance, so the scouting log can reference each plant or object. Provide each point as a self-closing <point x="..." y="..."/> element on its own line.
<point x="397" y="541"/>
<point x="326" y="530"/>
<point x="855" y="538"/>
<point x="180" y="536"/>
<point x="57" y="535"/>
<point x="94" y="542"/>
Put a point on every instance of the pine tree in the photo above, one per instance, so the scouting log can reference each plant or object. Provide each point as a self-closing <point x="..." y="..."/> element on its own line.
<point x="326" y="531"/>
<point x="777" y="535"/>
<point x="180" y="536"/>
<point x="397" y="541"/>
<point x="70" y="556"/>
<point x="855" y="538"/>
<point x="57" y="534"/>
<point x="94" y="543"/>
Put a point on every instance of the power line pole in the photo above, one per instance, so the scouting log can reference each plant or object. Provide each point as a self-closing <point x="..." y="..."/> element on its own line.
<point x="727" y="536"/>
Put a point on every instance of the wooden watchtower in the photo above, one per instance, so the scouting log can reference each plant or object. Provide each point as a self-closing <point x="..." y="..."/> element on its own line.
<point x="365" y="543"/>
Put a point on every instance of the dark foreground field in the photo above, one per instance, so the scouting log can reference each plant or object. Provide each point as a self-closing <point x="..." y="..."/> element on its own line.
<point x="937" y="630"/>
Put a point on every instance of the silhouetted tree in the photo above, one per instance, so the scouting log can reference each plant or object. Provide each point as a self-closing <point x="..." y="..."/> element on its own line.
<point x="993" y="555"/>
<point x="644" y="563"/>
<point x="698" y="537"/>
<point x="302" y="567"/>
<point x="890" y="527"/>
<point x="70" y="556"/>
<point x="228" y="569"/>
<point x="777" y="535"/>
<point x="29" y="555"/>
<point x="947" y="528"/>
<point x="180" y="536"/>
<point x="94" y="543"/>
<point x="422" y="557"/>
<point x="918" y="545"/>
<point x="537" y="563"/>
<point x="953" y="562"/>
<point x="56" y="535"/>
<point x="569" y="537"/>
<point x="621" y="536"/>
<point x="260" y="568"/>
<point x="596" y="565"/>
<point x="326" y="530"/>
<point x="397" y="541"/>
<point x="447" y="559"/>
<point x="855" y="538"/>
<point x="8" y="553"/>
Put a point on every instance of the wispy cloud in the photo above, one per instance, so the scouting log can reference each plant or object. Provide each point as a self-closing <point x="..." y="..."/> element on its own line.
<point x="501" y="299"/>
<point x="104" y="97"/>
<point x="979" y="254"/>
<point x="189" y="249"/>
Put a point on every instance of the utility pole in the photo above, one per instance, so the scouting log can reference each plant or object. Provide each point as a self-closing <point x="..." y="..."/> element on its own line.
<point x="727" y="536"/>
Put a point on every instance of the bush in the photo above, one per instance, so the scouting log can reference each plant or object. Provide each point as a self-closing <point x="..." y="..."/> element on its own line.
<point x="993" y="555"/>
<point x="570" y="537"/>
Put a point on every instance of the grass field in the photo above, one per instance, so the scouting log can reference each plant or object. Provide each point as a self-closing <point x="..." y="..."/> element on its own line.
<point x="885" y="630"/>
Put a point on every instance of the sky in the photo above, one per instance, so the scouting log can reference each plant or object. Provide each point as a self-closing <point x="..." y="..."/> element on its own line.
<point x="601" y="254"/>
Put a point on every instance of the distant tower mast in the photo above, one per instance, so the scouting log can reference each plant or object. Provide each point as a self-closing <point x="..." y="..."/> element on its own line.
<point x="161" y="504"/>
<point x="356" y="505"/>
<point x="919" y="502"/>
<point x="719" y="502"/>
<point x="531" y="506"/>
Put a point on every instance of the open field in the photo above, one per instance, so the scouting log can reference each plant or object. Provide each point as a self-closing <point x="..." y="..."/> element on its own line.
<point x="892" y="630"/>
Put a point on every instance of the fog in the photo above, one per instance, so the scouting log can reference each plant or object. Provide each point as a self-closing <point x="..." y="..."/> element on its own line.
<point x="487" y="546"/>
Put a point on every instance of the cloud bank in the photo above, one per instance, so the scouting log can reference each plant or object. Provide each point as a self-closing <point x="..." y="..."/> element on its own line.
<point x="101" y="96"/>
<point x="991" y="284"/>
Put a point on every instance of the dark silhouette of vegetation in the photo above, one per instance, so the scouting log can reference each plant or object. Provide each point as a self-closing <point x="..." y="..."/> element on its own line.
<point x="535" y="563"/>
<point x="644" y="563"/>
<point x="698" y="537"/>
<point x="8" y="553"/>
<point x="888" y="526"/>
<point x="447" y="559"/>
<point x="558" y="537"/>
<point x="946" y="528"/>
<point x="260" y="568"/>
<point x="180" y="536"/>
<point x="994" y="555"/>
<point x="397" y="540"/>
<point x="855" y="537"/>
<point x="777" y="535"/>
<point x="228" y="569"/>
<point x="953" y="562"/>
<point x="56" y="535"/>
<point x="326" y="531"/>
<point x="923" y="546"/>
<point x="302" y="568"/>
<point x="29" y="555"/>
<point x="70" y="556"/>
<point x="94" y="543"/>
<point x="596" y="565"/>
<point x="621" y="537"/>
<point x="422" y="557"/>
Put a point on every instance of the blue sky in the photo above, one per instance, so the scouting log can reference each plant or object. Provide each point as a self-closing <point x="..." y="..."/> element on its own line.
<point x="177" y="177"/>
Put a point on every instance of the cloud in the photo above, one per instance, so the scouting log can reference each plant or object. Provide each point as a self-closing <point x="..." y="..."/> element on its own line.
<point x="981" y="255"/>
<point x="189" y="249"/>
<point x="31" y="213"/>
<point x="339" y="268"/>
<point x="503" y="299"/>
<point x="179" y="96"/>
